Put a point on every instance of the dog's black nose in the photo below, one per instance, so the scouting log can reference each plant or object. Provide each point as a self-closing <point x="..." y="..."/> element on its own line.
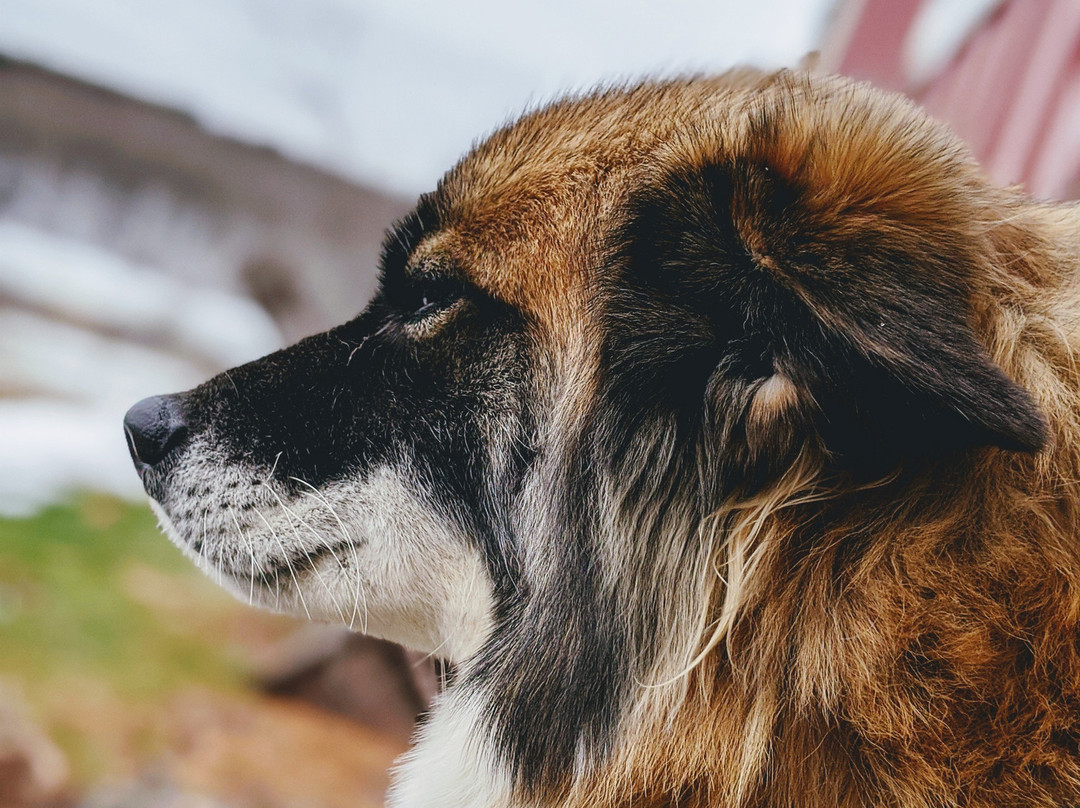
<point x="154" y="427"/>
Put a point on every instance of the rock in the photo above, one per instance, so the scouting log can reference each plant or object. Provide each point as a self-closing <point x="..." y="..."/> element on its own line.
<point x="372" y="682"/>
<point x="264" y="752"/>
<point x="34" y="772"/>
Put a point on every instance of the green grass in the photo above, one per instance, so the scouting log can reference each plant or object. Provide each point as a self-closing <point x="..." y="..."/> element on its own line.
<point x="67" y="609"/>
<point x="133" y="662"/>
<point x="107" y="632"/>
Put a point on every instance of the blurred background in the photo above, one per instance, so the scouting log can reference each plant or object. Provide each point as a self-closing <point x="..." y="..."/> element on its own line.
<point x="188" y="186"/>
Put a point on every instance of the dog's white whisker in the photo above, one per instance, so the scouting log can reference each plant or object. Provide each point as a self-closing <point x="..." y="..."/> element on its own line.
<point x="273" y="468"/>
<point x="359" y="603"/>
<point x="251" y="553"/>
<point x="288" y="563"/>
<point x="294" y="519"/>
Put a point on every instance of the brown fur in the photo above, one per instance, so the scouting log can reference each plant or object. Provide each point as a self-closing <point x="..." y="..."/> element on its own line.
<point x="909" y="641"/>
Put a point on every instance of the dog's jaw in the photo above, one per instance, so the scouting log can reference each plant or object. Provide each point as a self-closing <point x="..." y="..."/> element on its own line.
<point x="374" y="558"/>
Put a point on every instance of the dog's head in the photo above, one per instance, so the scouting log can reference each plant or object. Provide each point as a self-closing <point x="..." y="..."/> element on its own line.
<point x="610" y="322"/>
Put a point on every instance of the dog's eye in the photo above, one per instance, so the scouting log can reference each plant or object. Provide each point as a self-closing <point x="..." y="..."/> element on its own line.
<point x="426" y="305"/>
<point x="429" y="297"/>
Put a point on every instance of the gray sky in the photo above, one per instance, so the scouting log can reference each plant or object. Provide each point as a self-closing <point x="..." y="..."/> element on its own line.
<point x="390" y="92"/>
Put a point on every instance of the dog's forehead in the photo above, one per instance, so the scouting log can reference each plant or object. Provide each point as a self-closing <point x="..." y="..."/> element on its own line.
<point x="526" y="226"/>
<point x="525" y="216"/>
<point x="526" y="243"/>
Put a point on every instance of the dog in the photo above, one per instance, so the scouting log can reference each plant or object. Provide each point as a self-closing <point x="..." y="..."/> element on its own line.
<point x="721" y="432"/>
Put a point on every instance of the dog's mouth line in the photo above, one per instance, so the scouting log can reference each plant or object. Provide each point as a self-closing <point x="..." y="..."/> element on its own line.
<point x="272" y="571"/>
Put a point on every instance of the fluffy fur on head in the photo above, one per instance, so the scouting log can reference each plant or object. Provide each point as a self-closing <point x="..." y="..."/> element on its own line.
<point x="722" y="432"/>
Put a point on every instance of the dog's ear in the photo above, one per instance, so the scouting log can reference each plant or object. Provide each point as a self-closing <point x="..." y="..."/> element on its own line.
<point x="802" y="320"/>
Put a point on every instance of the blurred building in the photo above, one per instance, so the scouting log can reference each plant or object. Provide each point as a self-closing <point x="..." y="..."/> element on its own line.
<point x="1005" y="74"/>
<point x="149" y="185"/>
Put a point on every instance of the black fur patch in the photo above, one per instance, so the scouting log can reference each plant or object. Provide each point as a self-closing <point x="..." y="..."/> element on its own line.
<point x="555" y="670"/>
<point x="880" y="349"/>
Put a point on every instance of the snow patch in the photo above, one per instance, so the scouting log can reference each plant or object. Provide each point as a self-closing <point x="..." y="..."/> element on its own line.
<point x="88" y="336"/>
